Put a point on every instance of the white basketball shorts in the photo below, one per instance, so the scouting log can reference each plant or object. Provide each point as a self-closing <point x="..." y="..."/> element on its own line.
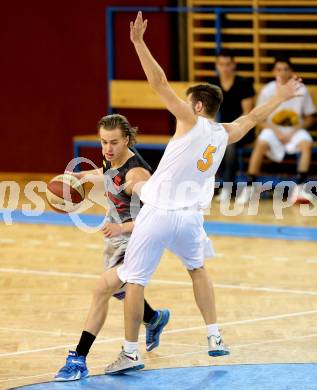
<point x="277" y="149"/>
<point x="180" y="231"/>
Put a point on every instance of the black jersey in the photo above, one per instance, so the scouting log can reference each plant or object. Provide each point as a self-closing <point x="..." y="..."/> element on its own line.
<point x="231" y="107"/>
<point x="122" y="206"/>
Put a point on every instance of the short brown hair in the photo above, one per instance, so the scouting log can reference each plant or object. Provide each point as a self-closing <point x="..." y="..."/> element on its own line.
<point x="114" y="121"/>
<point x="225" y="53"/>
<point x="283" y="59"/>
<point x="210" y="95"/>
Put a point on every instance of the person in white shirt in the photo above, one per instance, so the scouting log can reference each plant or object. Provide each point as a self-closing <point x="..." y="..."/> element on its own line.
<point x="284" y="131"/>
<point x="173" y="197"/>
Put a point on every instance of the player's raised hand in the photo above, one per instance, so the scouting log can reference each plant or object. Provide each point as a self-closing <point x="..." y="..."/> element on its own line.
<point x="291" y="89"/>
<point x="137" y="28"/>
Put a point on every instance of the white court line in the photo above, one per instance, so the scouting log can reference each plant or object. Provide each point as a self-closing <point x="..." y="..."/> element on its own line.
<point x="49" y="273"/>
<point x="237" y="287"/>
<point x="102" y="341"/>
<point x="230" y="323"/>
<point x="252" y="320"/>
<point x="23" y="330"/>
<point x="266" y="289"/>
<point x="158" y="281"/>
<point x="287" y="339"/>
<point x="51" y="374"/>
<point x="249" y="344"/>
<point x="7" y="240"/>
<point x="56" y="347"/>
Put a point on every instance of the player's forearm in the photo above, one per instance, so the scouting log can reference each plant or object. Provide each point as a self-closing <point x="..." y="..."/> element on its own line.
<point x="92" y="175"/>
<point x="127" y="227"/>
<point x="256" y="116"/>
<point x="260" y="113"/>
<point x="84" y="174"/>
<point x="97" y="171"/>
<point x="154" y="73"/>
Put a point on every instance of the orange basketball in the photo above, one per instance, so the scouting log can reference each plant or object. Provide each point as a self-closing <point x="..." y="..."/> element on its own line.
<point x="65" y="193"/>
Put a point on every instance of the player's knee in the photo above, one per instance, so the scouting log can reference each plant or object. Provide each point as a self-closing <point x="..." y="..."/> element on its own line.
<point x="103" y="290"/>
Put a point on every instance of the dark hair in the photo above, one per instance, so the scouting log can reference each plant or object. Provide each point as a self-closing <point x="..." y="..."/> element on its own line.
<point x="225" y="53"/>
<point x="210" y="95"/>
<point x="284" y="59"/>
<point x="114" y="121"/>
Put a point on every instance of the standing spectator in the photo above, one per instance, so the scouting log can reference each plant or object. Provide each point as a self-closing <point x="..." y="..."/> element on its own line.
<point x="238" y="99"/>
<point x="284" y="131"/>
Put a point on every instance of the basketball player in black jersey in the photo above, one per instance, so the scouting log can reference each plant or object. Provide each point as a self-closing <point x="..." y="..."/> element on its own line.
<point x="123" y="173"/>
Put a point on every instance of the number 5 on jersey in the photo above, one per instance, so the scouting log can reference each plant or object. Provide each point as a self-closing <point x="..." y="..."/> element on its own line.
<point x="205" y="164"/>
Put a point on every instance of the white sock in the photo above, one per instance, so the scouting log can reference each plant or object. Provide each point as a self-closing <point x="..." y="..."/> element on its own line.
<point x="212" y="330"/>
<point x="130" y="346"/>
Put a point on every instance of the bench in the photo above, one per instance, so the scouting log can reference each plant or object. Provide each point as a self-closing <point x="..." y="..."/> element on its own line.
<point x="123" y="95"/>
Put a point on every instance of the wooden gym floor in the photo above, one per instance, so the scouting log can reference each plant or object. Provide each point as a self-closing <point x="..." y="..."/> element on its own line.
<point x="266" y="291"/>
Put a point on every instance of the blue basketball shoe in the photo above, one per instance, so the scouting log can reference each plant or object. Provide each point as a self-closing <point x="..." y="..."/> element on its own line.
<point x="74" y="369"/>
<point x="154" y="329"/>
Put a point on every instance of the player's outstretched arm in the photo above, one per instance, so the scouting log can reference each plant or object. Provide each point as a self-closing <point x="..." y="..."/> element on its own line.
<point x="239" y="128"/>
<point x="157" y="78"/>
<point x="93" y="175"/>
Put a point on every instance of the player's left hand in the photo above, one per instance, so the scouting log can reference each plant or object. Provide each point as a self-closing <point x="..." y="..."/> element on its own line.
<point x="111" y="230"/>
<point x="137" y="29"/>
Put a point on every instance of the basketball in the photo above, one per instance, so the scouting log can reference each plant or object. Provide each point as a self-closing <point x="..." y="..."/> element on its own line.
<point x="65" y="193"/>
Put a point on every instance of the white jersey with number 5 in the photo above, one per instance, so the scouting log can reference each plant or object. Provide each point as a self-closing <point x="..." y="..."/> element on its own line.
<point x="185" y="175"/>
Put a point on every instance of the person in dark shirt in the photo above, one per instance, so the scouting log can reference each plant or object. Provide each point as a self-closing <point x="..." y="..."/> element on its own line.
<point x="238" y="99"/>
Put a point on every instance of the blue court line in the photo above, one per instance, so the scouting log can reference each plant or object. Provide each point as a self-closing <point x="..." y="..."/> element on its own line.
<point x="233" y="377"/>
<point x="261" y="231"/>
<point x="279" y="232"/>
<point x="49" y="218"/>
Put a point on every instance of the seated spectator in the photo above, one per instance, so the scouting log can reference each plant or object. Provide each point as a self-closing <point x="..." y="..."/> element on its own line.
<point x="238" y="99"/>
<point x="283" y="132"/>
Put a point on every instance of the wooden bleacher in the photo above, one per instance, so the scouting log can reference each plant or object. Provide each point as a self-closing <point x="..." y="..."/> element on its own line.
<point x="123" y="93"/>
<point x="255" y="39"/>
<point x="123" y="96"/>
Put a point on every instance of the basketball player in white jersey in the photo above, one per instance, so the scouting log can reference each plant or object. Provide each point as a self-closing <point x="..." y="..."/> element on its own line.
<point x="175" y="195"/>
